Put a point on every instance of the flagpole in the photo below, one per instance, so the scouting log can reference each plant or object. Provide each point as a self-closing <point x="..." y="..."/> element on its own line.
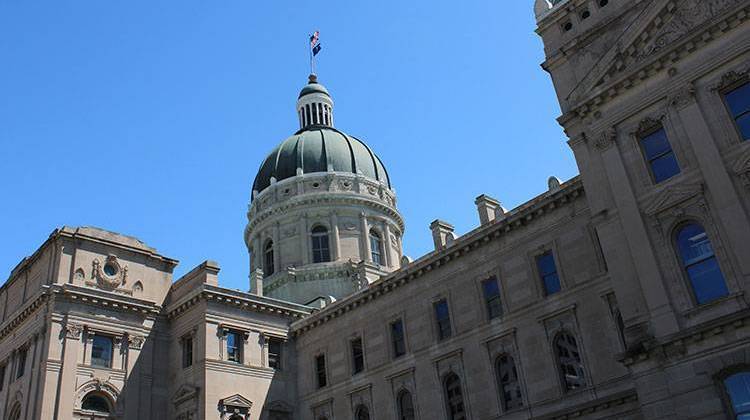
<point x="312" y="57"/>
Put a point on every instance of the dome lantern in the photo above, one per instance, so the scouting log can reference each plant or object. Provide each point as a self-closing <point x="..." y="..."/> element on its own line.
<point x="315" y="105"/>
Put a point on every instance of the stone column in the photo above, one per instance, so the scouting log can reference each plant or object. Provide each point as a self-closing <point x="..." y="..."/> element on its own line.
<point x="365" y="238"/>
<point x="724" y="199"/>
<point x="645" y="268"/>
<point x="304" y="239"/>
<point x="70" y="359"/>
<point x="276" y="248"/>
<point x="335" y="248"/>
<point x="387" y="244"/>
<point x="258" y="254"/>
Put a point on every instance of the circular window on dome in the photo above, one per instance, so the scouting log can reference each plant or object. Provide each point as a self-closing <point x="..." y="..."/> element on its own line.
<point x="110" y="269"/>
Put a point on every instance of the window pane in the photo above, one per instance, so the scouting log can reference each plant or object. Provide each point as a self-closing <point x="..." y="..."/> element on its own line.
<point x="101" y="351"/>
<point x="320" y="367"/>
<point x="397" y="335"/>
<point x="274" y="354"/>
<point x="739" y="100"/>
<point x="708" y="282"/>
<point x="738" y="388"/>
<point x="546" y="264"/>
<point x="443" y="319"/>
<point x="655" y="144"/>
<point x="551" y="284"/>
<point x="694" y="244"/>
<point x="358" y="356"/>
<point x="664" y="167"/>
<point x="700" y="264"/>
<point x="492" y="298"/>
<point x="743" y="124"/>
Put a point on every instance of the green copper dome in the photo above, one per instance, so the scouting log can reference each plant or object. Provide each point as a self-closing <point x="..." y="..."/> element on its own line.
<point x="313" y="87"/>
<point x="320" y="149"/>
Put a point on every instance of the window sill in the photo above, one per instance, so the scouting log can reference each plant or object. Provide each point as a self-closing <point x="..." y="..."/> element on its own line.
<point x="698" y="309"/>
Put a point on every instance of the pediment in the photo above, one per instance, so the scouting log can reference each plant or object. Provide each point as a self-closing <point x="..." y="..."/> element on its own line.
<point x="184" y="393"/>
<point x="658" y="28"/>
<point x="670" y="197"/>
<point x="236" y="401"/>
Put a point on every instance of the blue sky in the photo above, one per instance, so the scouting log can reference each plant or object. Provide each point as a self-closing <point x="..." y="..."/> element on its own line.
<point x="152" y="118"/>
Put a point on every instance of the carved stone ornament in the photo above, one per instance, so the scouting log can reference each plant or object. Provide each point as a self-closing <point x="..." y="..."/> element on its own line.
<point x="688" y="15"/>
<point x="136" y="341"/>
<point x="73" y="331"/>
<point x="731" y="78"/>
<point x="236" y="405"/>
<point x="110" y="275"/>
<point x="606" y="139"/>
<point x="648" y="124"/>
<point x="345" y="185"/>
<point x="670" y="197"/>
<point x="741" y="167"/>
<point x="683" y="97"/>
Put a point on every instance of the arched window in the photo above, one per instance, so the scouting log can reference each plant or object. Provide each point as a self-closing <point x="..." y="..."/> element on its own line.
<point x="376" y="247"/>
<point x="268" y="263"/>
<point x="700" y="263"/>
<point x="97" y="403"/>
<point x="405" y="406"/>
<point x="510" y="387"/>
<point x="737" y="387"/>
<point x="454" y="398"/>
<point x="569" y="359"/>
<point x="15" y="412"/>
<point x="320" y="245"/>
<point x="362" y="413"/>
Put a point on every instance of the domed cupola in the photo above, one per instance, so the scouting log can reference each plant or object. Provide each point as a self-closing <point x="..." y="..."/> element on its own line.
<point x="322" y="221"/>
<point x="314" y="105"/>
<point x="318" y="147"/>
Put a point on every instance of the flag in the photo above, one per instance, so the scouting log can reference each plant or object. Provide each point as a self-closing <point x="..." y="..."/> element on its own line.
<point x="315" y="43"/>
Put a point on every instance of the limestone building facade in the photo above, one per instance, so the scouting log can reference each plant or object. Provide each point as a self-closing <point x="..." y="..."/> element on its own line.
<point x="620" y="293"/>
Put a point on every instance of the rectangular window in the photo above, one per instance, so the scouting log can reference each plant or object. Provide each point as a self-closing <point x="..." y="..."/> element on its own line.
<point x="234" y="347"/>
<point x="274" y="353"/>
<point x="661" y="159"/>
<point x="545" y="263"/>
<point x="320" y="370"/>
<point x="21" y="363"/>
<point x="2" y="377"/>
<point x="491" y="290"/>
<point x="442" y="319"/>
<point x="397" y="338"/>
<point x="739" y="104"/>
<point x="358" y="356"/>
<point x="101" y="351"/>
<point x="187" y="352"/>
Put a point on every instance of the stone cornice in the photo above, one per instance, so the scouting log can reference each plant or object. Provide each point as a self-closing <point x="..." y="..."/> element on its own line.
<point x="103" y="299"/>
<point x="617" y="81"/>
<point x="676" y="344"/>
<point x="245" y="301"/>
<point x="24" y="313"/>
<point x="516" y="220"/>
<point x="607" y="402"/>
<point x="328" y="199"/>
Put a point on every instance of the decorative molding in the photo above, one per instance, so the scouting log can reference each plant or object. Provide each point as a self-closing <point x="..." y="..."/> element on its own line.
<point x="648" y="125"/>
<point x="135" y="342"/>
<point x="741" y="168"/>
<point x="236" y="405"/>
<point x="678" y="29"/>
<point x="670" y="197"/>
<point x="606" y="139"/>
<point x="732" y="78"/>
<point x="683" y="96"/>
<point x="107" y="281"/>
<point x="73" y="331"/>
